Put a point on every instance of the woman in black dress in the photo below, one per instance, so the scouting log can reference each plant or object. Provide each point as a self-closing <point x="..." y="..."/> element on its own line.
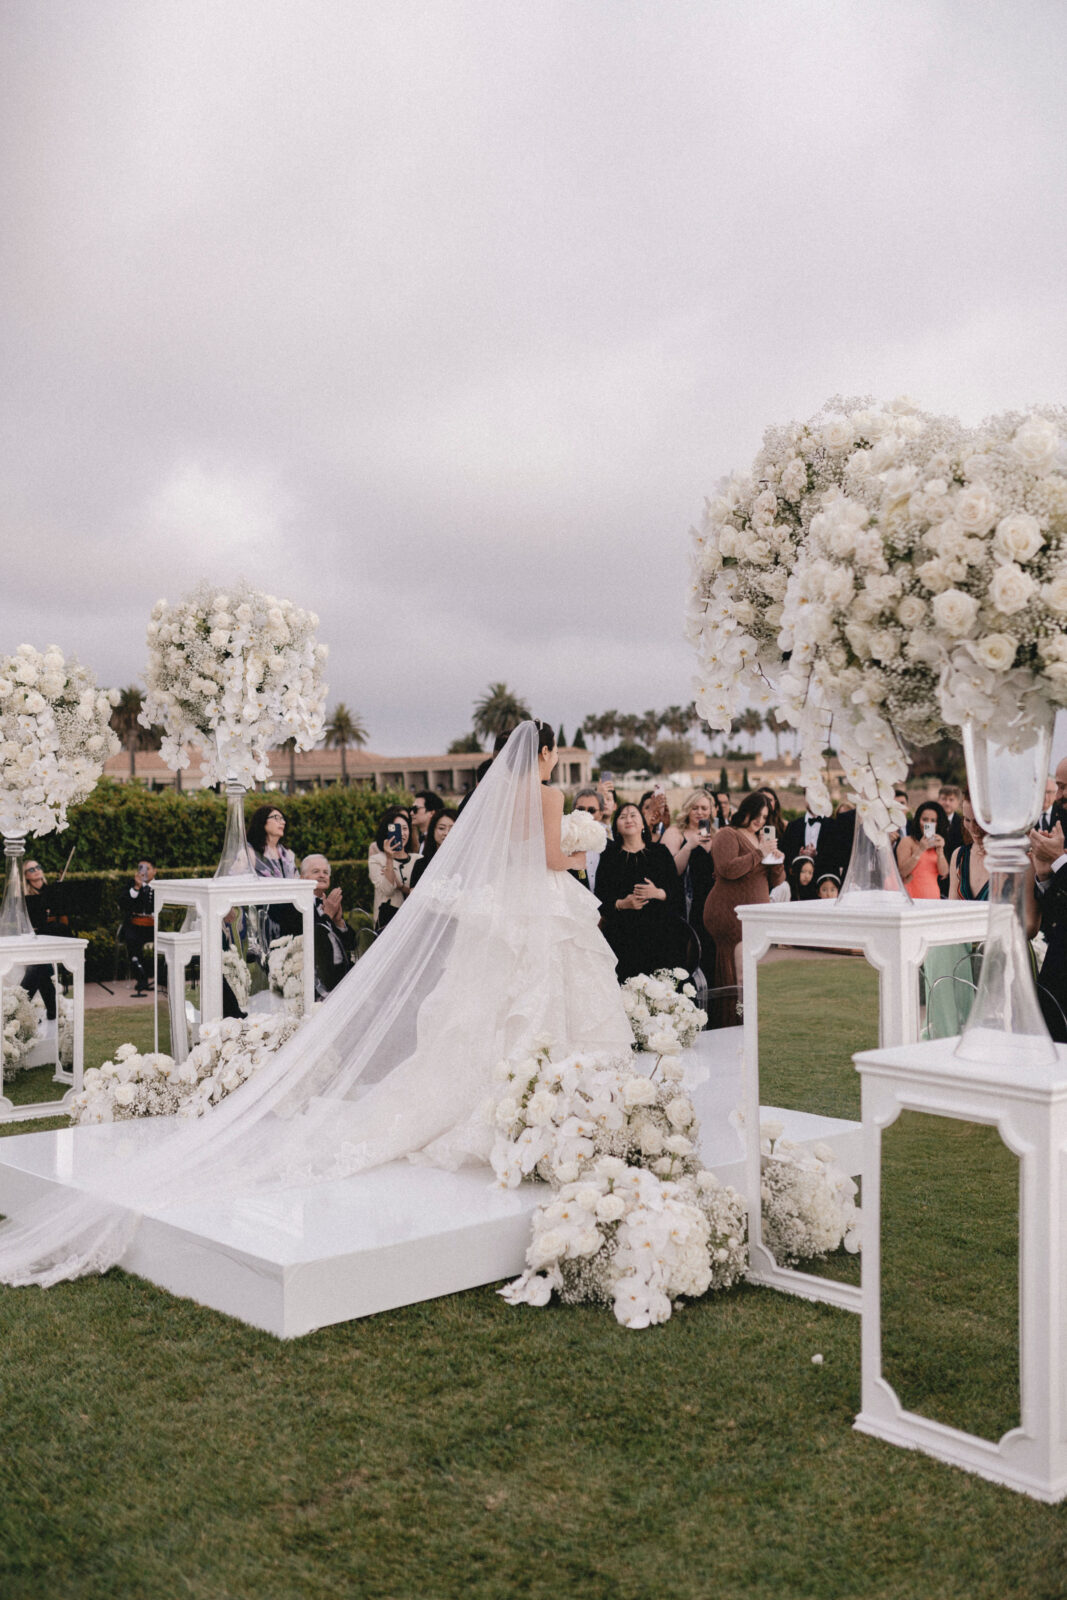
<point x="640" y="897"/>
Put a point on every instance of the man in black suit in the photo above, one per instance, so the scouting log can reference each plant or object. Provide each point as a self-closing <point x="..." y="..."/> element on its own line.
<point x="1049" y="856"/>
<point x="801" y="837"/>
<point x="950" y="798"/>
<point x="334" y="939"/>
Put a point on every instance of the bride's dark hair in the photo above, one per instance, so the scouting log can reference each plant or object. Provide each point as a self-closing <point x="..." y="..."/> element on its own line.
<point x="546" y="738"/>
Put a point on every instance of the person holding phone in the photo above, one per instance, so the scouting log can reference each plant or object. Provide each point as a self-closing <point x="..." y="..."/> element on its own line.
<point x="656" y="811"/>
<point x="921" y="853"/>
<point x="689" y="840"/>
<point x="747" y="866"/>
<point x="138" y="924"/>
<point x="390" y="865"/>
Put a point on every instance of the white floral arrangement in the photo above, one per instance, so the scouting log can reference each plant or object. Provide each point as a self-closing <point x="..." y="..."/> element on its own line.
<point x="662" y="1014"/>
<point x="622" y="1237"/>
<point x="924" y="584"/>
<point x="155" y="1085"/>
<point x="554" y="1118"/>
<point x="64" y="1026"/>
<point x="809" y="1204"/>
<point x="55" y="736"/>
<point x="579" y="831"/>
<point x="634" y="1222"/>
<point x="236" y="973"/>
<point x="237" y="672"/>
<point x="20" y="1027"/>
<point x="285" y="969"/>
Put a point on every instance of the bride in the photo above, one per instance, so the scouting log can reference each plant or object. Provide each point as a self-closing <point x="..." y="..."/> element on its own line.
<point x="498" y="947"/>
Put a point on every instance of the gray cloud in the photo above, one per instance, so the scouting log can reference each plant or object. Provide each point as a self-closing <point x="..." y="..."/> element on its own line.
<point x="444" y="319"/>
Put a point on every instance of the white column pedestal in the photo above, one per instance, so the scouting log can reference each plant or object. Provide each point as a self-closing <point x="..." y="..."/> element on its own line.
<point x="33" y="950"/>
<point x="894" y="936"/>
<point x="213" y="898"/>
<point x="1028" y="1107"/>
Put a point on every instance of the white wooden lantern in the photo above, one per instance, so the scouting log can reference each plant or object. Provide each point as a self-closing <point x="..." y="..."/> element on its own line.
<point x="30" y="950"/>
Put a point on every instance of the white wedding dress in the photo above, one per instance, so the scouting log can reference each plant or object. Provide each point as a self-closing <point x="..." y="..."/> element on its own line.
<point x="492" y="953"/>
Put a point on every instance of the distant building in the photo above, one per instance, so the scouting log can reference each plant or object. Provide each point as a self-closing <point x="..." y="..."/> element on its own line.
<point x="312" y="769"/>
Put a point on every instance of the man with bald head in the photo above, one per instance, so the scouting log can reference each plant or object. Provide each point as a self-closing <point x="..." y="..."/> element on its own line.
<point x="1050" y="867"/>
<point x="334" y="939"/>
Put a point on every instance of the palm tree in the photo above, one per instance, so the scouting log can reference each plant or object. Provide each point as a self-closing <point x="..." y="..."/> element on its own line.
<point x="499" y="711"/>
<point x="626" y="727"/>
<point x="290" y="746"/>
<point x="750" y="721"/>
<point x="648" y="727"/>
<point x="775" y="727"/>
<point x="344" y="729"/>
<point x="124" y="721"/>
<point x="677" y="720"/>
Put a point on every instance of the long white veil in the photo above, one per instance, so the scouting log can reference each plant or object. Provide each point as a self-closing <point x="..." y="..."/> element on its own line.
<point x="394" y="1062"/>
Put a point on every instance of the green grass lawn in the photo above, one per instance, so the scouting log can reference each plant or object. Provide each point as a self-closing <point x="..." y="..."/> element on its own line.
<point x="152" y="1448"/>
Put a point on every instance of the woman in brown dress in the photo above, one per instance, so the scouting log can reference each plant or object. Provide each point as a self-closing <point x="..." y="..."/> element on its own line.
<point x="742" y="878"/>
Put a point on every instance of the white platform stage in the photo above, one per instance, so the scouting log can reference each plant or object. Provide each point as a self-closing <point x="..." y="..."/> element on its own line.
<point x="299" y="1260"/>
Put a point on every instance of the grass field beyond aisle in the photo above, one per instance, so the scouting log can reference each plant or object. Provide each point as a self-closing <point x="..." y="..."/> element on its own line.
<point x="462" y="1447"/>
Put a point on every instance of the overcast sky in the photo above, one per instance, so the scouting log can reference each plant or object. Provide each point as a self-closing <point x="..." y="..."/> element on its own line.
<point x="443" y="318"/>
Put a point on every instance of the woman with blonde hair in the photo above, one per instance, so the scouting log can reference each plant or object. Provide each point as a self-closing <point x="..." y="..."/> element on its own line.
<point x="689" y="841"/>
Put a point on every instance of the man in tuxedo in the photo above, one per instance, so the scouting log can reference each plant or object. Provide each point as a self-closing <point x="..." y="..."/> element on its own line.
<point x="801" y="837"/>
<point x="950" y="798"/>
<point x="589" y="800"/>
<point x="834" y="850"/>
<point x="334" y="939"/>
<point x="1049" y="856"/>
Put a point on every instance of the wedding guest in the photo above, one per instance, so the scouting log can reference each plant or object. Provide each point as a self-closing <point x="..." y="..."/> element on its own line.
<point x="498" y="744"/>
<point x="589" y="801"/>
<point x="440" y="828"/>
<point x="774" y="812"/>
<point x="334" y="939"/>
<point x="801" y="836"/>
<point x="689" y="841"/>
<point x="724" y="808"/>
<point x="828" y="886"/>
<point x="424" y="808"/>
<point x="271" y="859"/>
<point x="801" y="876"/>
<point x="743" y="876"/>
<point x="43" y="910"/>
<point x="138" y="923"/>
<point x="390" y="865"/>
<point x="836" y="837"/>
<point x="950" y="796"/>
<point x="656" y="812"/>
<point x="1049" y="856"/>
<point x="641" y="899"/>
<point x="1045" y="820"/>
<point x="921" y="852"/>
<point x="606" y="791"/>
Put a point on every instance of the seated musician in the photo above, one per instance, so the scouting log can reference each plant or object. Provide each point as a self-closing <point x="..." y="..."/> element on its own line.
<point x="43" y="905"/>
<point x="138" y="924"/>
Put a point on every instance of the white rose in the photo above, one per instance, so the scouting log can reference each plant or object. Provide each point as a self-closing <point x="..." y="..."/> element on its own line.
<point x="996" y="650"/>
<point x="975" y="509"/>
<point x="638" y="1091"/>
<point x="1010" y="589"/>
<point x="911" y="611"/>
<point x="610" y="1207"/>
<point x="955" y="611"/>
<point x="1054" y="594"/>
<point x="837" y="436"/>
<point x="125" y="1094"/>
<point x="1018" y="536"/>
<point x="679" y="1112"/>
<point x="1037" y="444"/>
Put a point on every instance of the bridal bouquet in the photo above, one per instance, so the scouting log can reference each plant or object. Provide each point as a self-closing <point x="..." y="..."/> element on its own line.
<point x="237" y="672"/>
<point x="809" y="1204"/>
<point x="285" y="969"/>
<point x="661" y="1011"/>
<point x="20" y="1027"/>
<point x="55" y="736"/>
<point x="155" y="1085"/>
<point x="580" y="831"/>
<point x="622" y="1237"/>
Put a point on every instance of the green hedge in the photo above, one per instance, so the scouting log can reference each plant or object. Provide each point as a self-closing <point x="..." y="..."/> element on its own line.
<point x="123" y="823"/>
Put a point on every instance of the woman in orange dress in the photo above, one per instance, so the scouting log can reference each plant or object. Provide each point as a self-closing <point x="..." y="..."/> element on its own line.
<point x="921" y="852"/>
<point x="743" y="877"/>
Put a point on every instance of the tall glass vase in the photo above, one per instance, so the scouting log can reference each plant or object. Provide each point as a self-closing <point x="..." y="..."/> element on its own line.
<point x="14" y="918"/>
<point x="1006" y="773"/>
<point x="237" y="860"/>
<point x="872" y="877"/>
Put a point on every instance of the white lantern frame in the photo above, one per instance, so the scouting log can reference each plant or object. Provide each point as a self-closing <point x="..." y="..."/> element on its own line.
<point x="31" y="950"/>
